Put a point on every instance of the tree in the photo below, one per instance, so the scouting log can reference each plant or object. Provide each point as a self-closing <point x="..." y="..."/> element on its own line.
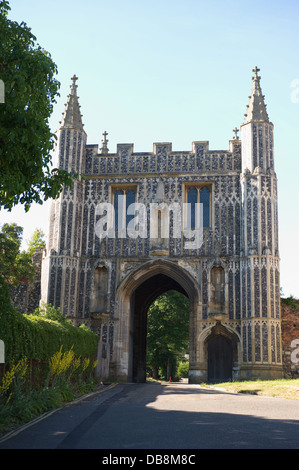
<point x="15" y="265"/>
<point x="37" y="241"/>
<point x="167" y="332"/>
<point x="26" y="140"/>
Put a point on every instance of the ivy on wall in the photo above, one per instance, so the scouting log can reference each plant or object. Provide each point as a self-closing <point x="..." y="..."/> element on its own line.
<point x="37" y="337"/>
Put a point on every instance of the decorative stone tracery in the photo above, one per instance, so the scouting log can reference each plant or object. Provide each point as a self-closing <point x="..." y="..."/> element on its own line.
<point x="231" y="279"/>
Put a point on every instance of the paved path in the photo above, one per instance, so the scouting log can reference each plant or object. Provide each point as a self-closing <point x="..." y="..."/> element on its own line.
<point x="165" y="416"/>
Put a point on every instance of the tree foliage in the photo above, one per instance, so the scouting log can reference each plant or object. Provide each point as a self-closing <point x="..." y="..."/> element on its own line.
<point x="167" y="332"/>
<point x="37" y="241"/>
<point x="15" y="265"/>
<point x="26" y="141"/>
<point x="37" y="336"/>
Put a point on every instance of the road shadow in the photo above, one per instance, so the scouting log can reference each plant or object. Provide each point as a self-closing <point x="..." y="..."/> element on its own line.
<point x="129" y="418"/>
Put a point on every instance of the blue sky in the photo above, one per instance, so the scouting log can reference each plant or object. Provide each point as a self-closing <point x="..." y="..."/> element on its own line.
<point x="176" y="71"/>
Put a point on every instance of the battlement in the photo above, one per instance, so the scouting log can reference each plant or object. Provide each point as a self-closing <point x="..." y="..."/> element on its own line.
<point x="163" y="159"/>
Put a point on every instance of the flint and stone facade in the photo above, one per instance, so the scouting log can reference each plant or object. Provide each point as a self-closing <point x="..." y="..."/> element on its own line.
<point x="231" y="280"/>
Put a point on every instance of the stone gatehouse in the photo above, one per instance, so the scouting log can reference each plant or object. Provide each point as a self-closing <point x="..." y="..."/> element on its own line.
<point x="101" y="273"/>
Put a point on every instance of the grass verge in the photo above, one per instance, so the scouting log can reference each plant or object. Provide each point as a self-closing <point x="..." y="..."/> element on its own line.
<point x="283" y="388"/>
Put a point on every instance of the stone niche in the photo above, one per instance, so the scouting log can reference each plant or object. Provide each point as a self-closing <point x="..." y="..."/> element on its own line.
<point x="99" y="292"/>
<point x="218" y="305"/>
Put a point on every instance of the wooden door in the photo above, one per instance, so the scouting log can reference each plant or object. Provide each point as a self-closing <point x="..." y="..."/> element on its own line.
<point x="220" y="359"/>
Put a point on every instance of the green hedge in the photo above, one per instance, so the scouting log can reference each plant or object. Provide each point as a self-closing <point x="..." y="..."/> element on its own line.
<point x="36" y="337"/>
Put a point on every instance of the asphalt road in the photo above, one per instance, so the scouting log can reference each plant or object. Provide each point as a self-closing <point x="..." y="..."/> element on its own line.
<point x="164" y="416"/>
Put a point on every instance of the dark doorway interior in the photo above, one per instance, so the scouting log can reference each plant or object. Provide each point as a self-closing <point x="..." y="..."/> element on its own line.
<point x="220" y="359"/>
<point x="143" y="297"/>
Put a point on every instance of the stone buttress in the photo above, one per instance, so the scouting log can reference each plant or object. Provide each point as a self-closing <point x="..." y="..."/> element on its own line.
<point x="62" y="260"/>
<point x="260" y="283"/>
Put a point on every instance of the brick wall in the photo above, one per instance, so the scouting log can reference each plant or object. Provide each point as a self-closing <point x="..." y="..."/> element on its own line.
<point x="290" y="333"/>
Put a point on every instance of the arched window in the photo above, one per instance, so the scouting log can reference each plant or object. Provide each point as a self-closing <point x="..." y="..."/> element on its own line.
<point x="205" y="201"/>
<point x="192" y="200"/>
<point x="130" y="199"/>
<point x="118" y="209"/>
<point x="123" y="198"/>
<point x="198" y="195"/>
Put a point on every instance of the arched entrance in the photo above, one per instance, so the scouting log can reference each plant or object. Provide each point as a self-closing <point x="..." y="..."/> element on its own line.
<point x="134" y="296"/>
<point x="143" y="297"/>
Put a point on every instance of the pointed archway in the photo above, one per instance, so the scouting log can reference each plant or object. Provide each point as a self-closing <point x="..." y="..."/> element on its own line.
<point x="134" y="296"/>
<point x="143" y="297"/>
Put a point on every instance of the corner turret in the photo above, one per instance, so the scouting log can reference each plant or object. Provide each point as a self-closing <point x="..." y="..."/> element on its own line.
<point x="256" y="109"/>
<point x="257" y="133"/>
<point x="72" y="117"/>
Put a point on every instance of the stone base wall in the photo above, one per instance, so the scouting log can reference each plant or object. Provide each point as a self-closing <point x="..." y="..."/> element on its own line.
<point x="26" y="296"/>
